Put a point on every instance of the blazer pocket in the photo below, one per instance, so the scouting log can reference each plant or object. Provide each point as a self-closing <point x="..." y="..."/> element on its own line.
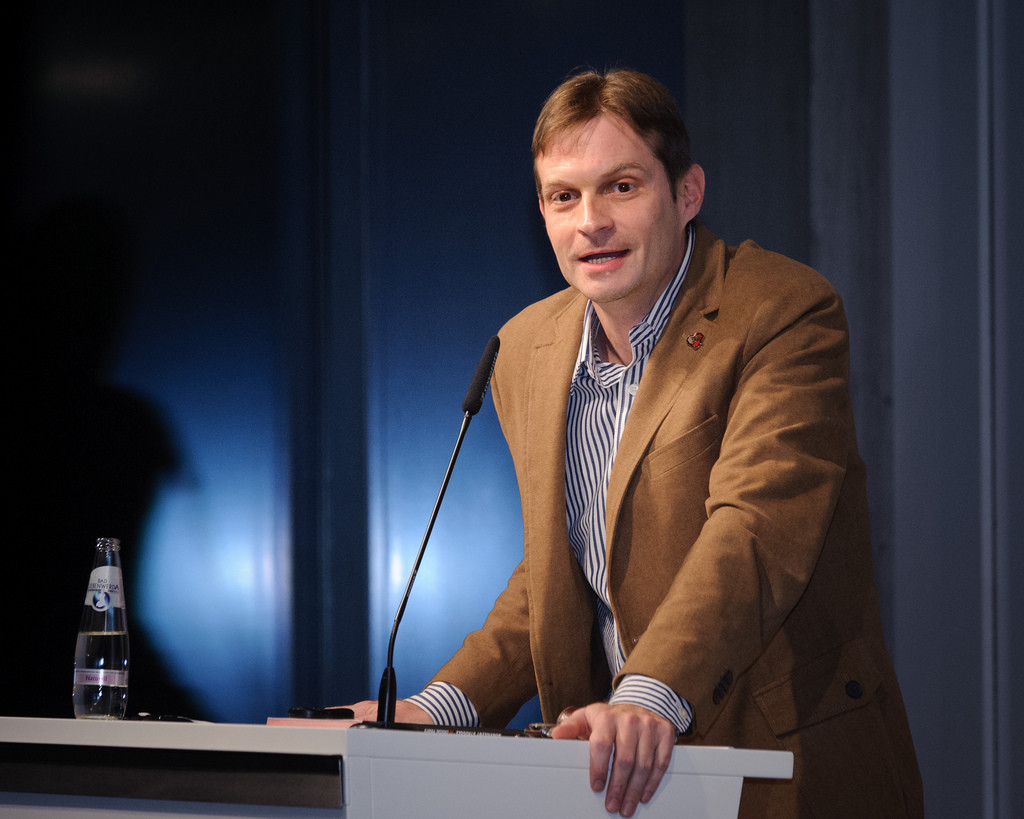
<point x="840" y="681"/>
<point x="683" y="448"/>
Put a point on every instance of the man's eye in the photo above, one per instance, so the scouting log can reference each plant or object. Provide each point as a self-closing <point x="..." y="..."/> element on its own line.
<point x="562" y="196"/>
<point x="624" y="187"/>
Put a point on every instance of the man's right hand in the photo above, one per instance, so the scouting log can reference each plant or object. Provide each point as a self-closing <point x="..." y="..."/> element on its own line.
<point x="405" y="711"/>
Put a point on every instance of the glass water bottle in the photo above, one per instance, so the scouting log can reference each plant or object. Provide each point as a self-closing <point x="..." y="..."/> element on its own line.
<point x="101" y="653"/>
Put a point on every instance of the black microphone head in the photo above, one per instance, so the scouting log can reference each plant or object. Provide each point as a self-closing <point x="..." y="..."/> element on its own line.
<point x="481" y="378"/>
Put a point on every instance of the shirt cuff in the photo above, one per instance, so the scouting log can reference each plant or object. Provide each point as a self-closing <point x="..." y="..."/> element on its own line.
<point x="447" y="705"/>
<point x="654" y="695"/>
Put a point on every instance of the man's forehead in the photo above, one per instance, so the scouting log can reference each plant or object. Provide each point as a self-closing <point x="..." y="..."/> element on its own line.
<point x="621" y="150"/>
<point x="576" y="137"/>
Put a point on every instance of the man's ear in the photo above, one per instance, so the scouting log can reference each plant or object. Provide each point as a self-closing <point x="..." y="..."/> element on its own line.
<point x="690" y="193"/>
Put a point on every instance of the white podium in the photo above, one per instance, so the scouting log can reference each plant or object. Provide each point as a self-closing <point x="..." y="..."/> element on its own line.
<point x="124" y="770"/>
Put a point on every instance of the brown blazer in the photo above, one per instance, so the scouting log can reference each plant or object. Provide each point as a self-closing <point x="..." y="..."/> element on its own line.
<point x="739" y="558"/>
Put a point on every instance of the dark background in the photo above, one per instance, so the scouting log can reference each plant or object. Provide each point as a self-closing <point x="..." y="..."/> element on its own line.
<point x="258" y="248"/>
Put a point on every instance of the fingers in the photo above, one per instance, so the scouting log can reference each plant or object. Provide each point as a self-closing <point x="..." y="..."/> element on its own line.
<point x="366" y="711"/>
<point x="630" y="751"/>
<point x="568" y="726"/>
<point x="643" y="750"/>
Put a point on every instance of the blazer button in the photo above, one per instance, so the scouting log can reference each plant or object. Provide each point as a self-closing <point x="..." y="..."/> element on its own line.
<point x="854" y="690"/>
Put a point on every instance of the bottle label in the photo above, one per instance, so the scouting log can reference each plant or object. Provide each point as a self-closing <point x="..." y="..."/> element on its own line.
<point x="100" y="676"/>
<point x="105" y="590"/>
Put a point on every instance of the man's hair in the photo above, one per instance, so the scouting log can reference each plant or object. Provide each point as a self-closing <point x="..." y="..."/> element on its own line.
<point x="637" y="99"/>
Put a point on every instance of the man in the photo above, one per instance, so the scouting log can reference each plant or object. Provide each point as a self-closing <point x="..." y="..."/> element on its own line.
<point x="697" y="565"/>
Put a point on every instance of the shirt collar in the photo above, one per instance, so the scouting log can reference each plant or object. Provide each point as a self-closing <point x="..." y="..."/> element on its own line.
<point x="644" y="334"/>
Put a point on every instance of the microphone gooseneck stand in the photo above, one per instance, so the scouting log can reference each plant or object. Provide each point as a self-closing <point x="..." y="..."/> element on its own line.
<point x="387" y="696"/>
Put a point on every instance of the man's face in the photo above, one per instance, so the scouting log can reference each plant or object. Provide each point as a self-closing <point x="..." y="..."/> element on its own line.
<point x="615" y="227"/>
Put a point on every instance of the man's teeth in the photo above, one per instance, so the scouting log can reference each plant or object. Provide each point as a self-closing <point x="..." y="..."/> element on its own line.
<point x="602" y="258"/>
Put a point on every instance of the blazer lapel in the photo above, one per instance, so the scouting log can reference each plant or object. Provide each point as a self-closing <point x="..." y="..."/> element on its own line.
<point x="676" y="352"/>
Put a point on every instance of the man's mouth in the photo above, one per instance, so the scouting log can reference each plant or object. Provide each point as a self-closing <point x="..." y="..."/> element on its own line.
<point x="603" y="256"/>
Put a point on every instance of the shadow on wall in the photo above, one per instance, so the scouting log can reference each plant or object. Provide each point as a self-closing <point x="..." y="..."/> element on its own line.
<point x="88" y="459"/>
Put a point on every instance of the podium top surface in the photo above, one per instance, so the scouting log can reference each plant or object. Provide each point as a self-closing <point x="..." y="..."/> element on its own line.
<point x="194" y="736"/>
<point x="344" y="738"/>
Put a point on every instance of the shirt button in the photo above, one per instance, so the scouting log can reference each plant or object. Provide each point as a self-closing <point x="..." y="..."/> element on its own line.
<point x="632" y="389"/>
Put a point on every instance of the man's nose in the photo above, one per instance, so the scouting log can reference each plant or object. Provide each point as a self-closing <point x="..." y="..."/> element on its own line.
<point x="594" y="215"/>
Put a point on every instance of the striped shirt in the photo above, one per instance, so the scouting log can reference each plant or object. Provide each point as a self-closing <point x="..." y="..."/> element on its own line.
<point x="601" y="395"/>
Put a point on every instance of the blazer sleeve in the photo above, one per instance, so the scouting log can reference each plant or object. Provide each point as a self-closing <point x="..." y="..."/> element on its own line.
<point x="493" y="667"/>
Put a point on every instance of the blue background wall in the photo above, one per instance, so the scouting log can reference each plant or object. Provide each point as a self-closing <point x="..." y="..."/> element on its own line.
<point x="259" y="248"/>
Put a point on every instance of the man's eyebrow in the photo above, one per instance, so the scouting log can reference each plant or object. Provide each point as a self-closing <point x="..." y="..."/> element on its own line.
<point x="610" y="173"/>
<point x="623" y="168"/>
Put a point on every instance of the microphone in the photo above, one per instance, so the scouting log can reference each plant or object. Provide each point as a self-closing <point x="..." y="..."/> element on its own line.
<point x="387" y="696"/>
